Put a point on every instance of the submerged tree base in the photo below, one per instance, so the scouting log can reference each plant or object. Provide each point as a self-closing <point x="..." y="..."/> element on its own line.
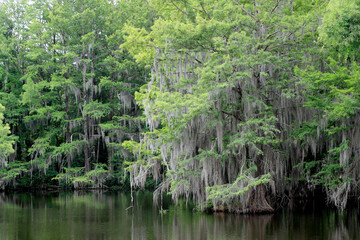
<point x="251" y="202"/>
<point x="256" y="210"/>
<point x="256" y="202"/>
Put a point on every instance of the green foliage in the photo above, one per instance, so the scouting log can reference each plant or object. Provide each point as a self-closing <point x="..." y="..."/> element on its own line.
<point x="13" y="170"/>
<point x="79" y="178"/>
<point x="335" y="93"/>
<point x="258" y="132"/>
<point x="304" y="131"/>
<point x="73" y="175"/>
<point x="6" y="141"/>
<point x="340" y="28"/>
<point x="333" y="90"/>
<point x="228" y="192"/>
<point x="323" y="174"/>
<point x="96" y="110"/>
<point x="65" y="83"/>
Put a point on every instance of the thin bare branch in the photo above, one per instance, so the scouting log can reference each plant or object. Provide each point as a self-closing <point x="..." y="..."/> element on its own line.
<point x="178" y="7"/>
<point x="202" y="6"/>
<point x="276" y="5"/>
<point x="248" y="13"/>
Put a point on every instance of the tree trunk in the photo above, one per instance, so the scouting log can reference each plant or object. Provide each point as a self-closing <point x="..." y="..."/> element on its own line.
<point x="86" y="147"/>
<point x="111" y="115"/>
<point x="85" y="96"/>
<point x="67" y="134"/>
<point x="256" y="201"/>
<point x="85" y="117"/>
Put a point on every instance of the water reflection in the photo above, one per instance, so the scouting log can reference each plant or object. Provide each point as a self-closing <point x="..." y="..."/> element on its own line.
<point x="103" y="215"/>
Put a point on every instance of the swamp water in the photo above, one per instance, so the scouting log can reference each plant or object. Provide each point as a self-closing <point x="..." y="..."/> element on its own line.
<point x="101" y="215"/>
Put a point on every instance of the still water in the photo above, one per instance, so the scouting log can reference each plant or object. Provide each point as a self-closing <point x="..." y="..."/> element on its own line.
<point x="101" y="215"/>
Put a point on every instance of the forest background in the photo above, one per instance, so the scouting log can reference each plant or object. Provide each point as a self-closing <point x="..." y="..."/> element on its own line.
<point x="238" y="105"/>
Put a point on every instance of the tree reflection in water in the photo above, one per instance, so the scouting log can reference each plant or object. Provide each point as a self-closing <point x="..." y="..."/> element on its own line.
<point x="104" y="215"/>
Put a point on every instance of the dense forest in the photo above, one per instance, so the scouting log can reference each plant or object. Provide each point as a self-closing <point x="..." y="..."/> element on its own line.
<point x="239" y="105"/>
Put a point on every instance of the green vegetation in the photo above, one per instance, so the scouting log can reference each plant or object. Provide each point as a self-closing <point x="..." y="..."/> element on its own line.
<point x="232" y="103"/>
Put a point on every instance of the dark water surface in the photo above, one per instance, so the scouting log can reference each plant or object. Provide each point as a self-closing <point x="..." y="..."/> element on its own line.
<point x="100" y="215"/>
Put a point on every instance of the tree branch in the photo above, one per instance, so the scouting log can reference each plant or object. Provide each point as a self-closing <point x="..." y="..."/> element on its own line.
<point x="248" y="13"/>
<point x="178" y="7"/>
<point x="202" y="6"/>
<point x="276" y="5"/>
